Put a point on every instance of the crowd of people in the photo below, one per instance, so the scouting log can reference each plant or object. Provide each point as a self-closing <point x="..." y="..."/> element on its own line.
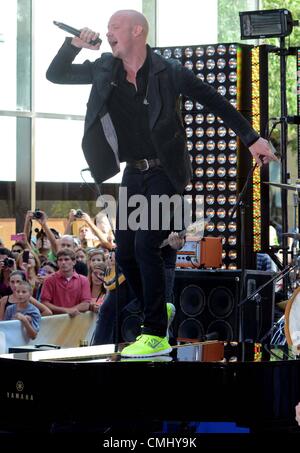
<point x="65" y="273"/>
<point x="58" y="271"/>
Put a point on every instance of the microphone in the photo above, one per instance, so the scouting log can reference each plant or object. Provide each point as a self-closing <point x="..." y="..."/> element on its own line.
<point x="75" y="32"/>
<point x="85" y="169"/>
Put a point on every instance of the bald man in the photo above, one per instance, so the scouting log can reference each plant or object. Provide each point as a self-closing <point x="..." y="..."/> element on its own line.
<point x="133" y="117"/>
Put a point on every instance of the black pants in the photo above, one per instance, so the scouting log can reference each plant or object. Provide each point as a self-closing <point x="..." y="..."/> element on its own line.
<point x="138" y="253"/>
<point x="105" y="331"/>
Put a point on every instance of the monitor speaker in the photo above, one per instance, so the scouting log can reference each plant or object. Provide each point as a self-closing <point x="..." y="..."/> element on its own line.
<point x="207" y="305"/>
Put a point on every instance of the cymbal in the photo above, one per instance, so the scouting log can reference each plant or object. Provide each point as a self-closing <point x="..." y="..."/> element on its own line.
<point x="292" y="235"/>
<point x="282" y="186"/>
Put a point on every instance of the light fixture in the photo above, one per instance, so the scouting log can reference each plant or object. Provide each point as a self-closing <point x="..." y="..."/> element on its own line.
<point x="269" y="23"/>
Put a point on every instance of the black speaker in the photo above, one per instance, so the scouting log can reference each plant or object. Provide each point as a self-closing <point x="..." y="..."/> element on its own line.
<point x="257" y="314"/>
<point x="131" y="320"/>
<point x="207" y="305"/>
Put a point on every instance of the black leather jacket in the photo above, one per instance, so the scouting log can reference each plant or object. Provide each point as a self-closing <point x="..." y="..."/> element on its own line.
<point x="167" y="81"/>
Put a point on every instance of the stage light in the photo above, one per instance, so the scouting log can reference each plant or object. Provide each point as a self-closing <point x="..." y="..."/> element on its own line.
<point x="221" y="49"/>
<point x="213" y="147"/>
<point x="177" y="52"/>
<point x="221" y="63"/>
<point x="199" y="145"/>
<point x="188" y="105"/>
<point x="221" y="77"/>
<point x="189" y="64"/>
<point x="188" y="52"/>
<point x="221" y="158"/>
<point x="199" y="118"/>
<point x="199" y="186"/>
<point x="270" y="23"/>
<point x="167" y="53"/>
<point x="199" y="51"/>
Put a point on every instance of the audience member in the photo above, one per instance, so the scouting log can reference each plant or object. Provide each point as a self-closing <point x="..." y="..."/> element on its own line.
<point x="95" y="257"/>
<point x="7" y="265"/>
<point x="66" y="242"/>
<point x="81" y="255"/>
<point x="17" y="277"/>
<point x="96" y="278"/>
<point x="17" y="248"/>
<point x="46" y="239"/>
<point x="24" y="311"/>
<point x="29" y="262"/>
<point x="89" y="234"/>
<point x="66" y="291"/>
<point x="47" y="268"/>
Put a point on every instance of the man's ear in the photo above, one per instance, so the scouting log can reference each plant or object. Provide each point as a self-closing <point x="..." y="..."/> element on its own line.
<point x="138" y="30"/>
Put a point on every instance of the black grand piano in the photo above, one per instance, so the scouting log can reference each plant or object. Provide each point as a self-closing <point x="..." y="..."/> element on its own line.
<point x="93" y="387"/>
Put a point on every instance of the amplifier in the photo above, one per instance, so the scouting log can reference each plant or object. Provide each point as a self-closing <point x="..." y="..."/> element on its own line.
<point x="206" y="253"/>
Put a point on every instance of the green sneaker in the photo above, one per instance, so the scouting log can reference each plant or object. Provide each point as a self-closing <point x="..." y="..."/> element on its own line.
<point x="158" y="358"/>
<point x="171" y="311"/>
<point x="147" y="346"/>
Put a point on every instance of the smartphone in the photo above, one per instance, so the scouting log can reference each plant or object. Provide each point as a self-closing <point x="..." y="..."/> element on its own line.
<point x="18" y="237"/>
<point x="25" y="256"/>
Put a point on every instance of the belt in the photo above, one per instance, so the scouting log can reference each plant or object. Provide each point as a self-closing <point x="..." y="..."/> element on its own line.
<point x="144" y="164"/>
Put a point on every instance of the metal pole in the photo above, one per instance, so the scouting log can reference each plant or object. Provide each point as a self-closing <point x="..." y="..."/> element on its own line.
<point x="283" y="149"/>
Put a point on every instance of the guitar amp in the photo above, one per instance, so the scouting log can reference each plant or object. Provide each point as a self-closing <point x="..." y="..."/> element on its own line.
<point x="206" y="253"/>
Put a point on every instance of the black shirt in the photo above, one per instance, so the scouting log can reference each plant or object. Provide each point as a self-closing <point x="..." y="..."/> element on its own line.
<point x="129" y="112"/>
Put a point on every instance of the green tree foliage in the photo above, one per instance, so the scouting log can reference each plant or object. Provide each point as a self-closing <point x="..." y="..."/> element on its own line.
<point x="229" y="30"/>
<point x="293" y="40"/>
<point x="229" y="20"/>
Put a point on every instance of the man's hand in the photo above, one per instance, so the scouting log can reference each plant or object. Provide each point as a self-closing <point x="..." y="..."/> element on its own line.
<point x="262" y="152"/>
<point x="175" y="241"/>
<point x="86" y="36"/>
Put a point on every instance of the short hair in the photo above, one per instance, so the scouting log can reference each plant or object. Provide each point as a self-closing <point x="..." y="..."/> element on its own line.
<point x="66" y="252"/>
<point x="27" y="284"/>
<point x="68" y="237"/>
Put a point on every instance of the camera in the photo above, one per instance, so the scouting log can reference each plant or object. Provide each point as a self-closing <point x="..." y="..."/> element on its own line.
<point x="42" y="272"/>
<point x="8" y="262"/>
<point x="78" y="214"/>
<point x="37" y="214"/>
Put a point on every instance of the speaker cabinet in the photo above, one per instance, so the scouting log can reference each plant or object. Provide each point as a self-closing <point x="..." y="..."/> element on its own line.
<point x="131" y="320"/>
<point x="207" y="305"/>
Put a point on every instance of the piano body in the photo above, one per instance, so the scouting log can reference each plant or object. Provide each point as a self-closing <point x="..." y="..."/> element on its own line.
<point x="196" y="383"/>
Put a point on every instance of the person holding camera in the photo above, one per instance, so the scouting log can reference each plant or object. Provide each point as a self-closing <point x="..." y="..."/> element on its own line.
<point x="89" y="234"/>
<point x="46" y="242"/>
<point x="7" y="266"/>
